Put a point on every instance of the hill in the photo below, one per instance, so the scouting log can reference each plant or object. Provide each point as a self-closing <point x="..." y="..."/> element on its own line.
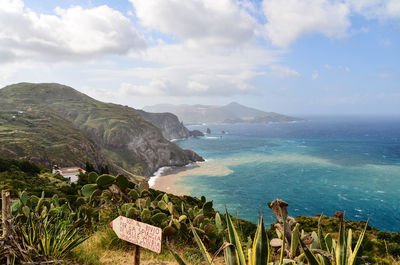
<point x="65" y="119"/>
<point x="231" y="113"/>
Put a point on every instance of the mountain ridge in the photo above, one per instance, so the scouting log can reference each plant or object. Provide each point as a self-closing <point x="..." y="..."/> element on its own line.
<point x="230" y="113"/>
<point x="129" y="141"/>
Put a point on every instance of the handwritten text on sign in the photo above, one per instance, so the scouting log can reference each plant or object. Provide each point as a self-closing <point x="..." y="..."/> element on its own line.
<point x="138" y="233"/>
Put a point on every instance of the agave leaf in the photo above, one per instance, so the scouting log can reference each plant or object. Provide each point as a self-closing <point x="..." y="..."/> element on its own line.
<point x="312" y="259"/>
<point x="349" y="241"/>
<point x="329" y="242"/>
<point x="357" y="247"/>
<point x="341" y="248"/>
<point x="260" y="250"/>
<point x="175" y="255"/>
<point x="203" y="249"/>
<point x="231" y="256"/>
<point x="234" y="239"/>
<point x="322" y="243"/>
<point x="315" y="244"/>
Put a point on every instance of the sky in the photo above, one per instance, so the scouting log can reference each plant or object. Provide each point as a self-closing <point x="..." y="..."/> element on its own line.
<point x="297" y="57"/>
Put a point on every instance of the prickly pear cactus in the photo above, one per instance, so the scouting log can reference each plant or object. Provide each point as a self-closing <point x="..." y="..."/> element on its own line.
<point x="104" y="181"/>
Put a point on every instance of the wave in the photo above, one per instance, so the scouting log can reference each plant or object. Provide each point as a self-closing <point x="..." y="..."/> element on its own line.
<point x="156" y="175"/>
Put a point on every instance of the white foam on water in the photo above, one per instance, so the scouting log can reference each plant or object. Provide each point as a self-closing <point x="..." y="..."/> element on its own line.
<point x="157" y="174"/>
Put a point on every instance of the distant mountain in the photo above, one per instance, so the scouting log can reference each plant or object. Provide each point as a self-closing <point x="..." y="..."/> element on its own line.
<point x="53" y="123"/>
<point x="231" y="113"/>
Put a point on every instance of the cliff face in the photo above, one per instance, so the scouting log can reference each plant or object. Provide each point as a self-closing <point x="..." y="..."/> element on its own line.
<point x="129" y="142"/>
<point x="168" y="123"/>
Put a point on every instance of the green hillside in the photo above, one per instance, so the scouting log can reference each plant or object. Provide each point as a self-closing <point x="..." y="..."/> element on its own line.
<point x="129" y="142"/>
<point x="37" y="133"/>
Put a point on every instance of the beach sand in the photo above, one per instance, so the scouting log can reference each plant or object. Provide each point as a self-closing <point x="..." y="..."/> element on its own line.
<point x="169" y="179"/>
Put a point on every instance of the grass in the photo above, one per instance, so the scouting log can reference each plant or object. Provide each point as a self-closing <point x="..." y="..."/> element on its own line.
<point x="61" y="125"/>
<point x="104" y="247"/>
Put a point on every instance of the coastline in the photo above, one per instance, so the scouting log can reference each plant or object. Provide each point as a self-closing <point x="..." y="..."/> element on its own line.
<point x="166" y="178"/>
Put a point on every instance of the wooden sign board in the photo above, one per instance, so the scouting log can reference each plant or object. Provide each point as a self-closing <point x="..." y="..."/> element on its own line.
<point x="138" y="233"/>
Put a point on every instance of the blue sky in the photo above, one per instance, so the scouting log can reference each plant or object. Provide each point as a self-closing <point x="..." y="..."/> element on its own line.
<point x="289" y="56"/>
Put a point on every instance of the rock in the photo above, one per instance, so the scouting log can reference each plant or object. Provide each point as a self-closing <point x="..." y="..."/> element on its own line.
<point x="168" y="123"/>
<point x="276" y="243"/>
<point x="196" y="133"/>
<point x="208" y="131"/>
<point x="192" y="156"/>
<point x="339" y="215"/>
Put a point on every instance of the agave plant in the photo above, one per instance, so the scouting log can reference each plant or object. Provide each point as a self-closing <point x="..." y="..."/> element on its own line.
<point x="329" y="251"/>
<point x="315" y="250"/>
<point x="234" y="253"/>
<point x="50" y="237"/>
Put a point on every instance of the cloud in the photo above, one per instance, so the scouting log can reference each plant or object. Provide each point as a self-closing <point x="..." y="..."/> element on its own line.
<point x="69" y="34"/>
<point x="289" y="19"/>
<point x="282" y="71"/>
<point x="335" y="68"/>
<point x="315" y="75"/>
<point x="376" y="9"/>
<point x="383" y="75"/>
<point x="198" y="23"/>
<point x="185" y="72"/>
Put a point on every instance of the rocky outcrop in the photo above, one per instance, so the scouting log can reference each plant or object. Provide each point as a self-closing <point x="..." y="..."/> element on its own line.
<point x="196" y="133"/>
<point x="169" y="124"/>
<point x="192" y="156"/>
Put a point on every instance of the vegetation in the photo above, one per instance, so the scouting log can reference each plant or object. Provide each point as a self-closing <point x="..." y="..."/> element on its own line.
<point x="55" y="124"/>
<point x="315" y="249"/>
<point x="70" y="222"/>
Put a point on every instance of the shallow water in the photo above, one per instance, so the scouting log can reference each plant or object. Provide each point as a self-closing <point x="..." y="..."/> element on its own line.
<point x="321" y="165"/>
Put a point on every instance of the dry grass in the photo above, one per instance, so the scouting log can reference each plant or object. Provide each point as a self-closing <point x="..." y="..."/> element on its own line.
<point x="106" y="249"/>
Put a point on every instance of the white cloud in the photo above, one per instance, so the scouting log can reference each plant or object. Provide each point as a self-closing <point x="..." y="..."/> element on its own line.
<point x="315" y="75"/>
<point x="193" y="73"/>
<point x="198" y="23"/>
<point x="376" y="9"/>
<point x="154" y="88"/>
<point x="282" y="71"/>
<point x="289" y="19"/>
<point x="383" y="75"/>
<point x="73" y="33"/>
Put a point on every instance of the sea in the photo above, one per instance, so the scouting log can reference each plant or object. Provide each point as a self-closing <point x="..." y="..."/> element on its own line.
<point x="318" y="166"/>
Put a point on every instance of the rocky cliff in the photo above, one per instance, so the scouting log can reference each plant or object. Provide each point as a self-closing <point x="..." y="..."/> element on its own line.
<point x="128" y="141"/>
<point x="168" y="123"/>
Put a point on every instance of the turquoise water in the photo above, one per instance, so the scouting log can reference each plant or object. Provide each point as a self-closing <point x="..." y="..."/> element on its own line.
<point x="321" y="165"/>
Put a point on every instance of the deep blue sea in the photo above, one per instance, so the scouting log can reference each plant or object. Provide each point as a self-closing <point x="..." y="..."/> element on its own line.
<point x="321" y="165"/>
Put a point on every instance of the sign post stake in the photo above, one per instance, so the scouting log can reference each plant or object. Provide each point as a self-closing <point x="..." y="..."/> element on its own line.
<point x="6" y="216"/>
<point x="137" y="255"/>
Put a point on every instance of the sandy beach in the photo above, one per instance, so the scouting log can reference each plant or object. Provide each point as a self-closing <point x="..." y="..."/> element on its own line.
<point x="169" y="179"/>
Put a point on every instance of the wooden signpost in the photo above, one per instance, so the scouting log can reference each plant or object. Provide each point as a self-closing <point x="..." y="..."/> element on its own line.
<point x="138" y="233"/>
